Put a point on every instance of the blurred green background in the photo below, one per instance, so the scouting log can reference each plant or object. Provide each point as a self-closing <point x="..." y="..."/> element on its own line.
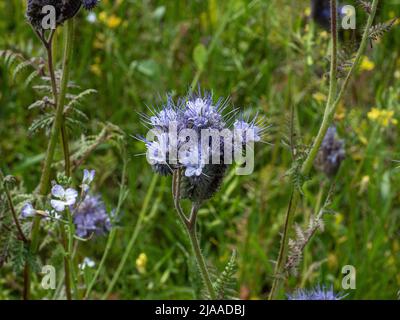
<point x="267" y="57"/>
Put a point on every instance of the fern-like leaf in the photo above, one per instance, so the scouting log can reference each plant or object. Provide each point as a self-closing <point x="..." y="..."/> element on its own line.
<point x="225" y="284"/>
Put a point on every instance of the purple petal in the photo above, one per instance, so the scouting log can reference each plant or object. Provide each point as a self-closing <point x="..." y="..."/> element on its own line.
<point x="70" y="196"/>
<point x="58" y="191"/>
<point x="58" y="205"/>
<point x="28" y="210"/>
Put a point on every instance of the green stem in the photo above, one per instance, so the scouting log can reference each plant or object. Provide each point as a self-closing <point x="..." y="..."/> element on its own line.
<point x="67" y="273"/>
<point x="55" y="131"/>
<point x="330" y="109"/>
<point x="133" y="238"/>
<point x="192" y="232"/>
<point x="70" y="257"/>
<point x="190" y="227"/>
<point x="111" y="237"/>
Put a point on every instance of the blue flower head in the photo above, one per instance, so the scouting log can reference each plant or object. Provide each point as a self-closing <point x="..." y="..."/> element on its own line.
<point x="318" y="293"/>
<point x="194" y="116"/>
<point x="91" y="217"/>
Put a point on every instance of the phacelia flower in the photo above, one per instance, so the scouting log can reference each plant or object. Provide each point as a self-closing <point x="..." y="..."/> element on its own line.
<point x="65" y="9"/>
<point x="64" y="198"/>
<point x="27" y="210"/>
<point x="199" y="125"/>
<point x="91" y="217"/>
<point x="88" y="177"/>
<point x="331" y="153"/>
<point x="318" y="293"/>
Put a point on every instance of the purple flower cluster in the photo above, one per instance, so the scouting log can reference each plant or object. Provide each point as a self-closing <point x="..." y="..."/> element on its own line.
<point x="331" y="153"/>
<point x="65" y="9"/>
<point x="318" y="293"/>
<point x="91" y="217"/>
<point x="88" y="211"/>
<point x="203" y="160"/>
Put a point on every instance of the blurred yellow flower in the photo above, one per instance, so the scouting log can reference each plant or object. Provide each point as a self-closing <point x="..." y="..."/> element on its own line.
<point x="307" y="12"/>
<point x="141" y="263"/>
<point x="324" y="35"/>
<point x="367" y="64"/>
<point x="112" y="21"/>
<point x="95" y="69"/>
<point x="382" y="117"/>
<point x="319" y="97"/>
<point x="364" y="184"/>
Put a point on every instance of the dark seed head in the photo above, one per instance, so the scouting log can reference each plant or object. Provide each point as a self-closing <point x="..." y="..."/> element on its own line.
<point x="331" y="153"/>
<point x="203" y="187"/>
<point x="65" y="9"/>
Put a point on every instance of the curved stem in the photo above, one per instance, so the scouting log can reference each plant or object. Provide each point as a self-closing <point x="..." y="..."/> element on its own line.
<point x="330" y="109"/>
<point x="190" y="227"/>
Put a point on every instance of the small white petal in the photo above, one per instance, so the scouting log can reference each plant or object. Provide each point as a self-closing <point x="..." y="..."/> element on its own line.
<point x="70" y="196"/>
<point x="58" y="205"/>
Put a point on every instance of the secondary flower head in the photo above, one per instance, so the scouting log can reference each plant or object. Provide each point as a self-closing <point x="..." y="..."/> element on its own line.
<point x="64" y="9"/>
<point x="27" y="210"/>
<point x="318" y="293"/>
<point x="331" y="153"/>
<point x="64" y="198"/>
<point x="91" y="217"/>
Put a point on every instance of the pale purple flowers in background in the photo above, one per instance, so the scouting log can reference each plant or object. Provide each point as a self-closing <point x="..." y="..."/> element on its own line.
<point x="318" y="293"/>
<point x="91" y="217"/>
<point x="88" y="177"/>
<point x="27" y="210"/>
<point x="64" y="198"/>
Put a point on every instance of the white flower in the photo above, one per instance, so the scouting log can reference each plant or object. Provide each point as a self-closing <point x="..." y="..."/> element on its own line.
<point x="66" y="197"/>
<point x="87" y="262"/>
<point x="27" y="210"/>
<point x="88" y="177"/>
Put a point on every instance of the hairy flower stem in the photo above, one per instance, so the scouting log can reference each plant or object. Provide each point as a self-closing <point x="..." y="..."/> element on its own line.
<point x="55" y="133"/>
<point x="21" y="234"/>
<point x="190" y="227"/>
<point x="330" y="109"/>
